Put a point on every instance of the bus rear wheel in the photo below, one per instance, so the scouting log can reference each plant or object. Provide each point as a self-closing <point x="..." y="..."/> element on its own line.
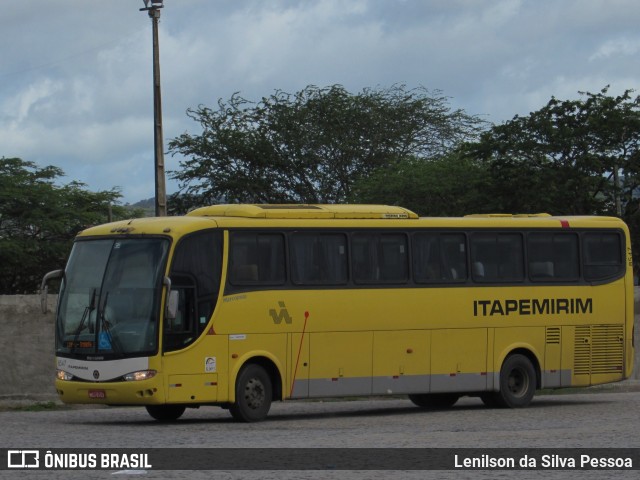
<point x="166" y="413"/>
<point x="253" y="394"/>
<point x="517" y="382"/>
<point x="492" y="400"/>
<point x="434" y="400"/>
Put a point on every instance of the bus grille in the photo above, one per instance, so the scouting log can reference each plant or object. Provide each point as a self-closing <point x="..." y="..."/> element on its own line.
<point x="598" y="349"/>
<point x="553" y="336"/>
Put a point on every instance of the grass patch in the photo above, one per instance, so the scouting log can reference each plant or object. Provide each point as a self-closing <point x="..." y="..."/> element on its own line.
<point x="32" y="407"/>
<point x="40" y="406"/>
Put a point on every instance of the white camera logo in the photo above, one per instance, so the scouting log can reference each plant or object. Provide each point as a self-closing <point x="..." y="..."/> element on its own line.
<point x="23" y="459"/>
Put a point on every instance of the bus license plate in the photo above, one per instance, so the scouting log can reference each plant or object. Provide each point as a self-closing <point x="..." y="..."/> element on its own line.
<point x="97" y="394"/>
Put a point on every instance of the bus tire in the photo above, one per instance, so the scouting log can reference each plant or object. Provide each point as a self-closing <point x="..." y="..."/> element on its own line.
<point x="434" y="400"/>
<point x="517" y="382"/>
<point x="166" y="413"/>
<point x="253" y="394"/>
<point x="492" y="400"/>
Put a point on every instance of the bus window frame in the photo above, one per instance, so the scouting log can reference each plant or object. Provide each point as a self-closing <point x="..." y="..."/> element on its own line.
<point x="476" y="278"/>
<point x="621" y="267"/>
<point x="411" y="282"/>
<point x="378" y="234"/>
<point x="289" y="265"/>
<point x="578" y="279"/>
<point x="236" y="283"/>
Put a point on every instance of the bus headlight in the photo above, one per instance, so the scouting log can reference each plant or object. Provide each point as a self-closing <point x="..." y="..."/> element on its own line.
<point x="62" y="375"/>
<point x="141" y="375"/>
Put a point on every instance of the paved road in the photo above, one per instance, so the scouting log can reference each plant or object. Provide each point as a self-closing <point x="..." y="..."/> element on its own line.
<point x="593" y="420"/>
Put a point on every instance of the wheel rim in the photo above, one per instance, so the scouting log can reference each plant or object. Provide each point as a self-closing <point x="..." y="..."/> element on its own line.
<point x="254" y="393"/>
<point x="518" y="382"/>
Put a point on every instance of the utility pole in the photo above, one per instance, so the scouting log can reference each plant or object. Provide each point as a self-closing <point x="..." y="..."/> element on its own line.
<point x="153" y="8"/>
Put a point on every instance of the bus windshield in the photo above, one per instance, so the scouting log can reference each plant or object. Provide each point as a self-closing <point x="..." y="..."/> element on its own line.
<point x="110" y="298"/>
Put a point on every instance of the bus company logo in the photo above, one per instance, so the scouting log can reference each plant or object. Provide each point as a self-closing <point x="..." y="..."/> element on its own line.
<point x="283" y="314"/>
<point x="533" y="306"/>
<point x="96" y="374"/>
<point x="23" y="459"/>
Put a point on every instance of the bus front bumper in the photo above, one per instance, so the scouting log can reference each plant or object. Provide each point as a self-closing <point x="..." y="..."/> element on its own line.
<point x="144" y="392"/>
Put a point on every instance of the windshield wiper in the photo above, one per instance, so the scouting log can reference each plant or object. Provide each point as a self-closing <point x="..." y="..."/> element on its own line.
<point x="87" y="310"/>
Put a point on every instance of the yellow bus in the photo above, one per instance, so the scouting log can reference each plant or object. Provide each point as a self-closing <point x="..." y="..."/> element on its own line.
<point x="241" y="305"/>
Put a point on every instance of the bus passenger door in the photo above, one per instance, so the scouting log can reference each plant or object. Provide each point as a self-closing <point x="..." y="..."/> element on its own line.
<point x="459" y="360"/>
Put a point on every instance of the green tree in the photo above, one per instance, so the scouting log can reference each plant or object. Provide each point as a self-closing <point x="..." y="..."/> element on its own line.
<point x="453" y="185"/>
<point x="570" y="157"/>
<point x="39" y="219"/>
<point x="312" y="146"/>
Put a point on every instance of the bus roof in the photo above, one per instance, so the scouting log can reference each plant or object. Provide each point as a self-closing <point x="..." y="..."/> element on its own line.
<point x="304" y="211"/>
<point x="332" y="216"/>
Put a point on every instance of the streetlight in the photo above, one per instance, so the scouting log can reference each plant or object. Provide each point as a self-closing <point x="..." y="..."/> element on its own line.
<point x="153" y="7"/>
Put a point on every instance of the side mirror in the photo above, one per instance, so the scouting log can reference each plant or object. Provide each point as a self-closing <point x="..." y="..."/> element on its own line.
<point x="172" y="305"/>
<point x="171" y="309"/>
<point x="44" y="288"/>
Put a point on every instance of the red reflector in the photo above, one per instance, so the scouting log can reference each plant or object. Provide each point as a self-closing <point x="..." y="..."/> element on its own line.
<point x="97" y="394"/>
<point x="564" y="223"/>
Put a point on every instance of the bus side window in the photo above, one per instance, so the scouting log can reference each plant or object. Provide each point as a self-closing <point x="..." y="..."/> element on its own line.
<point x="393" y="258"/>
<point x="501" y="256"/>
<point x="380" y="258"/>
<point x="427" y="266"/>
<point x="439" y="257"/>
<point x="319" y="259"/>
<point x="256" y="259"/>
<point x="364" y="259"/>
<point x="454" y="255"/>
<point x="603" y="258"/>
<point x="553" y="257"/>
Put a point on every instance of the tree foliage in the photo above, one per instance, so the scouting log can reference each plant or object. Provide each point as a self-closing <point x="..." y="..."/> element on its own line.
<point x="39" y="219"/>
<point x="570" y="157"/>
<point x="452" y="185"/>
<point x="312" y="146"/>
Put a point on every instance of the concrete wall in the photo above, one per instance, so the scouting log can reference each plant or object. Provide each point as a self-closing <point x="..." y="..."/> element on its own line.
<point x="27" y="366"/>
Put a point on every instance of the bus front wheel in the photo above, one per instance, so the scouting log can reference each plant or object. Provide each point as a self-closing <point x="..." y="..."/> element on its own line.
<point x="165" y="413"/>
<point x="517" y="382"/>
<point x="253" y="394"/>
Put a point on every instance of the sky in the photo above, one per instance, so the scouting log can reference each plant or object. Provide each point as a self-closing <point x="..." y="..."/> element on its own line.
<point x="76" y="75"/>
